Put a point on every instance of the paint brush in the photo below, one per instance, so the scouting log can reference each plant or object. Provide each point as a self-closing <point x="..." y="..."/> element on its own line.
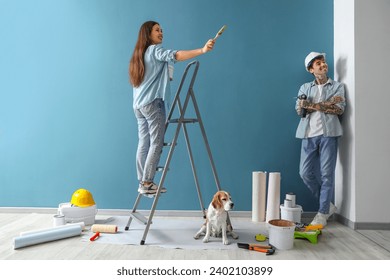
<point x="220" y="32"/>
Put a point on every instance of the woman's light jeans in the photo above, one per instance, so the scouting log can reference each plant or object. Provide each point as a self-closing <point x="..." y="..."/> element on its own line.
<point x="151" y="129"/>
<point x="317" y="168"/>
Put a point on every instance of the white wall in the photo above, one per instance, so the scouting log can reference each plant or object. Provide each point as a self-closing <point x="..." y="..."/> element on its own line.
<point x="372" y="45"/>
<point x="344" y="56"/>
<point x="361" y="45"/>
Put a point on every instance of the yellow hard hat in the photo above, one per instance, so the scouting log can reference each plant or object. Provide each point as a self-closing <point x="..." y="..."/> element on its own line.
<point x="82" y="198"/>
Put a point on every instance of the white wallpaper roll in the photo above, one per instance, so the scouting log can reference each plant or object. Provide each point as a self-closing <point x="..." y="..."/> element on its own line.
<point x="273" y="196"/>
<point x="81" y="224"/>
<point x="50" y="235"/>
<point x="259" y="179"/>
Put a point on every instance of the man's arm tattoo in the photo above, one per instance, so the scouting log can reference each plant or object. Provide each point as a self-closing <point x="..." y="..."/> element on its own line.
<point x="327" y="107"/>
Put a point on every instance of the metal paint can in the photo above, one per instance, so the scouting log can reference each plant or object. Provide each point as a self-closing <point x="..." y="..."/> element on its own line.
<point x="58" y="220"/>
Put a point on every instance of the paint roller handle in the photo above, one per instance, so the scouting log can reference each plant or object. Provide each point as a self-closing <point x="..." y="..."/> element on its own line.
<point x="95" y="236"/>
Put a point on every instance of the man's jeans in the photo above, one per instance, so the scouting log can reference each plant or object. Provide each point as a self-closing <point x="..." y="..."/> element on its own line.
<point x="151" y="129"/>
<point x="317" y="168"/>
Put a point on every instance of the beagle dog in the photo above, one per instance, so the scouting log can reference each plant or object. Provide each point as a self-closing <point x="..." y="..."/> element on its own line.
<point x="217" y="219"/>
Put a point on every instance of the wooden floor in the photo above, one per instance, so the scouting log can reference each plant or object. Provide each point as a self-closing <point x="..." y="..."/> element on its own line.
<point x="337" y="242"/>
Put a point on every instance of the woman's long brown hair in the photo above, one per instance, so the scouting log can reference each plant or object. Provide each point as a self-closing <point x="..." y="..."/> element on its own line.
<point x="137" y="65"/>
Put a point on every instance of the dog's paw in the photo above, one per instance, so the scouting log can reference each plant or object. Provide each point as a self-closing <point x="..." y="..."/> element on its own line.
<point x="234" y="235"/>
<point x="196" y="236"/>
<point x="205" y="240"/>
<point x="225" y="242"/>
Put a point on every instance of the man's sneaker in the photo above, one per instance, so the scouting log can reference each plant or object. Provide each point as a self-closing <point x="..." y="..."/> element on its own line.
<point x="319" y="219"/>
<point x="150" y="189"/>
<point x="332" y="210"/>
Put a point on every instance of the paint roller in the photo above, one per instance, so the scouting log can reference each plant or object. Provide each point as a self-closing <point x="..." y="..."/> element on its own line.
<point x="104" y="228"/>
<point x="100" y="228"/>
<point x="220" y="32"/>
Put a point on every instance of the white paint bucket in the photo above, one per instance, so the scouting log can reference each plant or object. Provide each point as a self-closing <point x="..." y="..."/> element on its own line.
<point x="75" y="214"/>
<point x="281" y="234"/>
<point x="292" y="214"/>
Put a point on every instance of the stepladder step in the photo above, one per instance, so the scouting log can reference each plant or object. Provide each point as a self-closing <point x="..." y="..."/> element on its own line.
<point x="139" y="217"/>
<point x="161" y="168"/>
<point x="168" y="144"/>
<point x="183" y="120"/>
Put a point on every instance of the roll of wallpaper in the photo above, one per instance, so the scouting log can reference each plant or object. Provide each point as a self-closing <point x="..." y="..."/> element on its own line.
<point x="259" y="184"/>
<point x="81" y="224"/>
<point x="273" y="196"/>
<point x="55" y="233"/>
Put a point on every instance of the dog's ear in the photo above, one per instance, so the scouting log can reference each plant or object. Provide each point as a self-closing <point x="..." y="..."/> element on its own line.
<point x="217" y="202"/>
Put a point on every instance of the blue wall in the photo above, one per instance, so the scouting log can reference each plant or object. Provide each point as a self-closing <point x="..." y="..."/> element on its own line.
<point x="66" y="119"/>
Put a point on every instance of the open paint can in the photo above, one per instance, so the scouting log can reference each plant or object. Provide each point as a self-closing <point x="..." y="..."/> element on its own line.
<point x="281" y="234"/>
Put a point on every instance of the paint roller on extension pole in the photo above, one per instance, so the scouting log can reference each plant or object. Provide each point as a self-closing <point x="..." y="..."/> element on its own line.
<point x="220" y="32"/>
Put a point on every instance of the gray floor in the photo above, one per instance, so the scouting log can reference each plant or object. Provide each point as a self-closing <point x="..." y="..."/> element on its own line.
<point x="337" y="242"/>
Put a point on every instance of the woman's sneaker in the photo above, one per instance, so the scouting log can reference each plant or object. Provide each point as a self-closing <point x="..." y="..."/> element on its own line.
<point x="150" y="189"/>
<point x="322" y="218"/>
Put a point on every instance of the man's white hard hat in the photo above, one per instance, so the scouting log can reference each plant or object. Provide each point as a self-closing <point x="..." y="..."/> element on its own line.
<point x="310" y="57"/>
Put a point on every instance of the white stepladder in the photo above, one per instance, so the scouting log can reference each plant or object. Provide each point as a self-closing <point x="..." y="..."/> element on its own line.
<point x="181" y="122"/>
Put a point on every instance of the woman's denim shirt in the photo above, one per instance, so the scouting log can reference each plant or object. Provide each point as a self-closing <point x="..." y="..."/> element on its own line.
<point x="156" y="82"/>
<point x="330" y="122"/>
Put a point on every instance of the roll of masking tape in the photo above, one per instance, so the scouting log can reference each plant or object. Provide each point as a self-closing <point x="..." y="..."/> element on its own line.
<point x="288" y="203"/>
<point x="291" y="196"/>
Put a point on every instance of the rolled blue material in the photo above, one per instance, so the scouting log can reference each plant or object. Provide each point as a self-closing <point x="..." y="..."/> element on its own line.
<point x="81" y="224"/>
<point x="46" y="236"/>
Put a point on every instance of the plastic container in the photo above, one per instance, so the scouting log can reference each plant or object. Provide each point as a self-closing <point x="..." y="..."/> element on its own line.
<point x="281" y="234"/>
<point x="74" y="214"/>
<point x="292" y="214"/>
<point x="58" y="220"/>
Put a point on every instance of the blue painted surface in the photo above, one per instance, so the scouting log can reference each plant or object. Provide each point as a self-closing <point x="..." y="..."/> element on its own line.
<point x="66" y="119"/>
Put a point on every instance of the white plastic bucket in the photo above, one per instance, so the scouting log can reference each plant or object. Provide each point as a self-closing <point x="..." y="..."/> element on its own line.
<point x="281" y="234"/>
<point x="292" y="214"/>
<point x="74" y="214"/>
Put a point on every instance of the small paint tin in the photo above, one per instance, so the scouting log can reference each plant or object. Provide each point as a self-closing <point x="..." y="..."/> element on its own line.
<point x="58" y="220"/>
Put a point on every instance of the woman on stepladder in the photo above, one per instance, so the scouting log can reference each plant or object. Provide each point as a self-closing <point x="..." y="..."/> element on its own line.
<point x="149" y="77"/>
